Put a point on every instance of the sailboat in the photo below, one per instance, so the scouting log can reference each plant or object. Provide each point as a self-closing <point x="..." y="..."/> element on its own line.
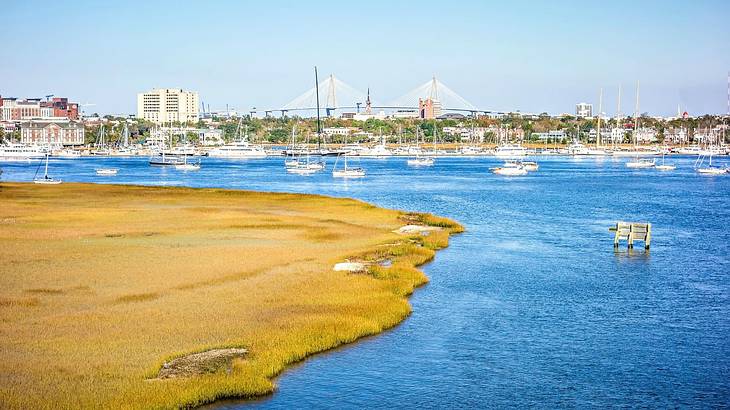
<point x="188" y="166"/>
<point x="305" y="167"/>
<point x="46" y="180"/>
<point x="418" y="160"/>
<point x="638" y="162"/>
<point x="106" y="171"/>
<point x="664" y="166"/>
<point x="293" y="161"/>
<point x="709" y="169"/>
<point x="162" y="159"/>
<point x="102" y="149"/>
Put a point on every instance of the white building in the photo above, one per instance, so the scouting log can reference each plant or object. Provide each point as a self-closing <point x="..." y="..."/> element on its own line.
<point x="342" y="131"/>
<point x="584" y="110"/>
<point x="165" y="105"/>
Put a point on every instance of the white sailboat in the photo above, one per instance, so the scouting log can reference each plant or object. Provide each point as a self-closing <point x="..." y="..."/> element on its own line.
<point x="664" y="166"/>
<point x="106" y="171"/>
<point x="305" y="167"/>
<point x="709" y="169"/>
<point x="293" y="161"/>
<point x="46" y="180"/>
<point x="188" y="166"/>
<point x="161" y="158"/>
<point x="101" y="148"/>
<point x="638" y="162"/>
<point x="419" y="160"/>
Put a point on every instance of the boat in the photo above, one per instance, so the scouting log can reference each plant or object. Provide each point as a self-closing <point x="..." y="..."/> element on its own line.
<point x="183" y="150"/>
<point x="188" y="166"/>
<point x="469" y="150"/>
<point x="240" y="148"/>
<point x="638" y="162"/>
<point x="348" y="172"/>
<point x="664" y="166"/>
<point x="378" y="151"/>
<point x="67" y="153"/>
<point x="420" y="160"/>
<point x="709" y="169"/>
<point x="46" y="180"/>
<point x="302" y="167"/>
<point x="577" y="148"/>
<point x="20" y="152"/>
<point x="712" y="171"/>
<point x="530" y="165"/>
<point x="101" y="149"/>
<point x="510" y="151"/>
<point x="641" y="163"/>
<point x="510" y="170"/>
<point x="106" y="171"/>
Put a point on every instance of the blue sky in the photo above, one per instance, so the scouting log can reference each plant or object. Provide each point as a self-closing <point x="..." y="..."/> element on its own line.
<point x="502" y="55"/>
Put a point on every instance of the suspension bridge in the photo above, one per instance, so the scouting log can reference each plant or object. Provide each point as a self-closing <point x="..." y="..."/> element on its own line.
<point x="336" y="95"/>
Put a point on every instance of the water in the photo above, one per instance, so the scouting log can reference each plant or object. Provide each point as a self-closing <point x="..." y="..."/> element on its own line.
<point x="529" y="307"/>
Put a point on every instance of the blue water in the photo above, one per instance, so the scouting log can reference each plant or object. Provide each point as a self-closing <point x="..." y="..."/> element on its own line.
<point x="531" y="306"/>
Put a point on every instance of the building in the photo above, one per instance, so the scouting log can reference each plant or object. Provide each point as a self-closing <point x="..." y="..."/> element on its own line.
<point x="341" y="131"/>
<point x="552" y="135"/>
<point x="429" y="108"/>
<point x="52" y="131"/>
<point x="584" y="110"/>
<point x="14" y="109"/>
<point x="165" y="105"/>
<point x="405" y="113"/>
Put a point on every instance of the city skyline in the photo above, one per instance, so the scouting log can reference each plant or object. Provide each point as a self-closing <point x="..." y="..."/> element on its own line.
<point x="531" y="58"/>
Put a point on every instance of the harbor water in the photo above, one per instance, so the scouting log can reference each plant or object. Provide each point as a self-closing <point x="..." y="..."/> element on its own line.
<point x="531" y="306"/>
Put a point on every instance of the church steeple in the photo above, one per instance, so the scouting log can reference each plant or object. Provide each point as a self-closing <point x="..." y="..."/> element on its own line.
<point x="368" y="108"/>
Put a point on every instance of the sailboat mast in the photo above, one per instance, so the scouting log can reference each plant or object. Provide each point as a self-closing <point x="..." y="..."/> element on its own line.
<point x="600" y="108"/>
<point x="618" y="118"/>
<point x="636" y="120"/>
<point x="319" y="126"/>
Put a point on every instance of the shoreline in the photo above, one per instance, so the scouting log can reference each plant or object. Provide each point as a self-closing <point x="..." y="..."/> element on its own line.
<point x="330" y="323"/>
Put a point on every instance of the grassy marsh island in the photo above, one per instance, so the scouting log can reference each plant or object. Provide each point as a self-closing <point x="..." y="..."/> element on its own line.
<point x="150" y="297"/>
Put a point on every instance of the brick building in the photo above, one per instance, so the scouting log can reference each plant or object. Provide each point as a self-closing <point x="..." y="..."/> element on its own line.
<point x="52" y="132"/>
<point x="16" y="110"/>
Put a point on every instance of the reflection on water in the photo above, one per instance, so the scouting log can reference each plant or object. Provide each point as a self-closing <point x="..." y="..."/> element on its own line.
<point x="531" y="306"/>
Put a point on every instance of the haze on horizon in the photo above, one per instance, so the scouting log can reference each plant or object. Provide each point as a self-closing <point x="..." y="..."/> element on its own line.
<point x="517" y="56"/>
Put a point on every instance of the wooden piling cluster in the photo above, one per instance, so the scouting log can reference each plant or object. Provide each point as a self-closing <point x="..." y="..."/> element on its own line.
<point x="630" y="232"/>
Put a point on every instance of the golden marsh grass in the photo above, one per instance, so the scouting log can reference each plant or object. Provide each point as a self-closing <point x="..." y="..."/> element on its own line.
<point x="103" y="284"/>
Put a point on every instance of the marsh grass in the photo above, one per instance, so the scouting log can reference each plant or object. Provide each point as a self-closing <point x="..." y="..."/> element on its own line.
<point x="104" y="284"/>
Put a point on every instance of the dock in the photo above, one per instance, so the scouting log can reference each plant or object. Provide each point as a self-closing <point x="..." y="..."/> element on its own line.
<point x="630" y="232"/>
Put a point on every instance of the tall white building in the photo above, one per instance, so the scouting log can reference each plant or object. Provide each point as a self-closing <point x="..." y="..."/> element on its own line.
<point x="583" y="110"/>
<point x="164" y="105"/>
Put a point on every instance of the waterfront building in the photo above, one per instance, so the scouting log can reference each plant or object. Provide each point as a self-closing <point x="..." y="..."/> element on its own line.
<point x="552" y="135"/>
<point x="52" y="131"/>
<point x="473" y="134"/>
<point x="342" y="131"/>
<point x="584" y="110"/>
<point x="166" y="105"/>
